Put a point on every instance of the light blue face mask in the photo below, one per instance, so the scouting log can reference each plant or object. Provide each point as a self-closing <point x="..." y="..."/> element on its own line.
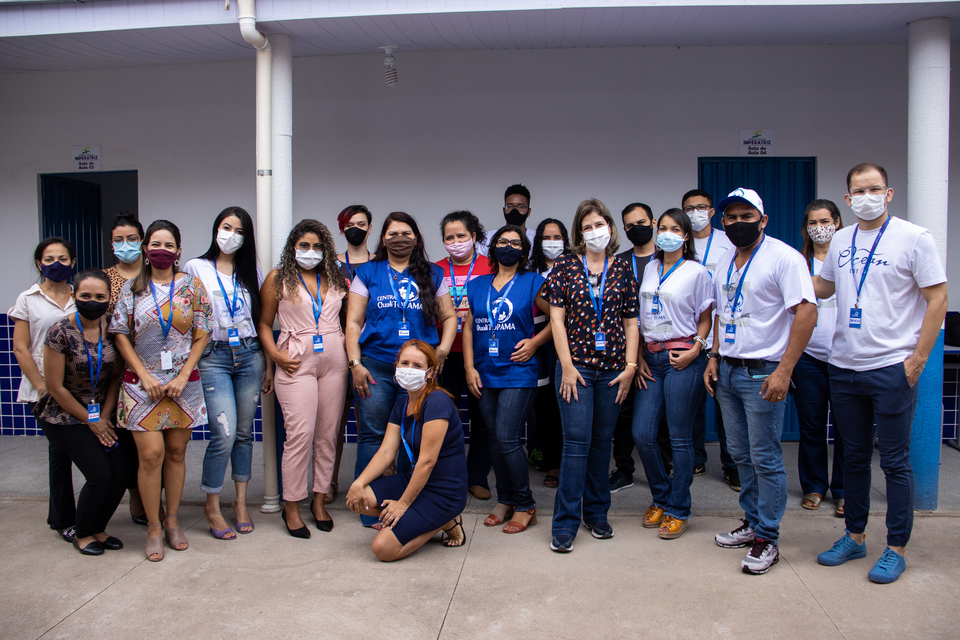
<point x="669" y="241"/>
<point x="126" y="252"/>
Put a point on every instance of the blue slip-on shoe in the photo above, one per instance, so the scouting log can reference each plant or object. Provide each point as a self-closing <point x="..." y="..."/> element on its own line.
<point x="562" y="543"/>
<point x="599" y="530"/>
<point x="888" y="568"/>
<point x="843" y="549"/>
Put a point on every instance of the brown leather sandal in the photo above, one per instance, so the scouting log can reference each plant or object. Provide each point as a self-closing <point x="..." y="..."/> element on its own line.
<point x="493" y="520"/>
<point x="515" y="527"/>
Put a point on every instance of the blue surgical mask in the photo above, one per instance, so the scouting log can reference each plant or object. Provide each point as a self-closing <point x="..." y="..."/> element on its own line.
<point x="669" y="241"/>
<point x="126" y="252"/>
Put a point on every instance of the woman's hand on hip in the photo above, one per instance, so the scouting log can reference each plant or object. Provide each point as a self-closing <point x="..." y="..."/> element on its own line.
<point x="679" y="360"/>
<point x="285" y="362"/>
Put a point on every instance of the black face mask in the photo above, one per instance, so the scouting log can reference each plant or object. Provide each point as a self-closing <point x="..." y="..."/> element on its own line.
<point x="91" y="309"/>
<point x="507" y="256"/>
<point x="355" y="235"/>
<point x="640" y="235"/>
<point x="514" y="217"/>
<point x="743" y="234"/>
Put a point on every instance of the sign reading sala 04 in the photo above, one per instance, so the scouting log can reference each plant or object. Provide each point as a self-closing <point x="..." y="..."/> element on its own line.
<point x="756" y="142"/>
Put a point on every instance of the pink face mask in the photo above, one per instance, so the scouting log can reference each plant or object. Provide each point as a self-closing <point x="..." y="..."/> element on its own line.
<point x="821" y="234"/>
<point x="460" y="250"/>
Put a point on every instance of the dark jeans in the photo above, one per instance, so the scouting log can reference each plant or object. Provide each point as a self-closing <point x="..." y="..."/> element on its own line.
<point x="812" y="398"/>
<point x="588" y="424"/>
<point x="700" y="436"/>
<point x="454" y="380"/>
<point x="860" y="398"/>
<point x="545" y="419"/>
<point x="106" y="474"/>
<point x="505" y="413"/>
<point x="61" y="509"/>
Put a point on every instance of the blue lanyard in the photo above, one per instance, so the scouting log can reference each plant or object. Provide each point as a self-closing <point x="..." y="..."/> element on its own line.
<point x="636" y="276"/>
<point x="165" y="328"/>
<point x="853" y="256"/>
<point x="413" y="433"/>
<point x="93" y="379"/>
<point x="597" y="305"/>
<point x="738" y="296"/>
<point x="453" y="281"/>
<point x="663" y="278"/>
<point x="707" y="252"/>
<point x="318" y="303"/>
<point x="396" y="295"/>
<point x="231" y="307"/>
<point x="503" y="296"/>
<point x="346" y="258"/>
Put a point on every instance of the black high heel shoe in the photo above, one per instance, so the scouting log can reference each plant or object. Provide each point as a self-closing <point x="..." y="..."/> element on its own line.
<point x="302" y="532"/>
<point x="323" y="525"/>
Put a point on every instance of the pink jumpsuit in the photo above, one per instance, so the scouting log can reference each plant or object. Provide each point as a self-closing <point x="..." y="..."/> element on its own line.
<point x="312" y="398"/>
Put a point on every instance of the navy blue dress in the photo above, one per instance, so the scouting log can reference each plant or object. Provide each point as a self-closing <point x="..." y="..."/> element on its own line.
<point x="445" y="494"/>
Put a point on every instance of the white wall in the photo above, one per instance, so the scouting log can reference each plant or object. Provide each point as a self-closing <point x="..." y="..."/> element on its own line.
<point x="618" y="124"/>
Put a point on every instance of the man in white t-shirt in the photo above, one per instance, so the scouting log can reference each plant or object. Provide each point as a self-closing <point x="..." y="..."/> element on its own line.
<point x="765" y="313"/>
<point x="891" y="291"/>
<point x="516" y="211"/>
<point x="710" y="244"/>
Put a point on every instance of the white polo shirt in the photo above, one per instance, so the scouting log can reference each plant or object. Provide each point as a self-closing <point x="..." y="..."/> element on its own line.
<point x="892" y="307"/>
<point x="39" y="309"/>
<point x="776" y="281"/>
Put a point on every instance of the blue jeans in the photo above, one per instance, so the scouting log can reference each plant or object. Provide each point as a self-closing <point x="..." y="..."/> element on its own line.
<point x="859" y="399"/>
<point x="811" y="395"/>
<point x="754" y="427"/>
<point x="679" y="394"/>
<point x="232" y="378"/>
<point x="373" y="413"/>
<point x="505" y="414"/>
<point x="588" y="425"/>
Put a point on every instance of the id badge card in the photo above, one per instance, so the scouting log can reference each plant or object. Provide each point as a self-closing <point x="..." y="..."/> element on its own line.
<point x="493" y="347"/>
<point x="318" y="344"/>
<point x="404" y="331"/>
<point x="856" y="318"/>
<point x="459" y="324"/>
<point x="600" y="341"/>
<point x="166" y="360"/>
<point x="233" y="337"/>
<point x="730" y="335"/>
<point x="93" y="412"/>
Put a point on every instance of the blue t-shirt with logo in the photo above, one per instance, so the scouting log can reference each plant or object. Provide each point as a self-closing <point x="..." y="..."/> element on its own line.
<point x="380" y="338"/>
<point x="515" y="323"/>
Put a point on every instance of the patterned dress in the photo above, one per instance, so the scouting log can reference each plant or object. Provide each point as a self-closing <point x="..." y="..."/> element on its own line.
<point x="136" y="316"/>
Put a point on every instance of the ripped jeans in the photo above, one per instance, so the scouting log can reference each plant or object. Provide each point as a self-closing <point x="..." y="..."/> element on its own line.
<point x="232" y="378"/>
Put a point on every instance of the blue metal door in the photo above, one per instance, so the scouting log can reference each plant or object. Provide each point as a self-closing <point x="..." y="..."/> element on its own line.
<point x="71" y="209"/>
<point x="786" y="186"/>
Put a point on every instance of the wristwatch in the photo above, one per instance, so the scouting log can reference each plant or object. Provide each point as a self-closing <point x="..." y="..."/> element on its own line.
<point x="352" y="363"/>
<point x="703" y="342"/>
<point x="712" y="356"/>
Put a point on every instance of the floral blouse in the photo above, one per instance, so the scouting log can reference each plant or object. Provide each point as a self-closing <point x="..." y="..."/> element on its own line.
<point x="567" y="288"/>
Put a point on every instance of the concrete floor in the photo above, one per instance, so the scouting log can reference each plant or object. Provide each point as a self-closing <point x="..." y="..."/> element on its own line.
<point x="269" y="585"/>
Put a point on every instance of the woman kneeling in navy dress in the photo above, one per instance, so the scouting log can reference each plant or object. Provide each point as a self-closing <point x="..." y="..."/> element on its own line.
<point x="414" y="506"/>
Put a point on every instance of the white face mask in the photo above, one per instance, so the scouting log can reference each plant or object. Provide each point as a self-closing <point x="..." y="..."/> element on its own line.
<point x="821" y="234"/>
<point x="699" y="219"/>
<point x="411" y="379"/>
<point x="552" y="249"/>
<point x="309" y="259"/>
<point x="868" y="206"/>
<point x="597" y="239"/>
<point x="229" y="241"/>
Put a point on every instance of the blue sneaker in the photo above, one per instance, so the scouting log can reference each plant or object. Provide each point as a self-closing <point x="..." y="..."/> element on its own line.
<point x="600" y="530"/>
<point x="562" y="543"/>
<point x="844" y="549"/>
<point x="888" y="568"/>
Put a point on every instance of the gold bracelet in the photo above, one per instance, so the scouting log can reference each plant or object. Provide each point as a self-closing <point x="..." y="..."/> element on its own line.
<point x="632" y="364"/>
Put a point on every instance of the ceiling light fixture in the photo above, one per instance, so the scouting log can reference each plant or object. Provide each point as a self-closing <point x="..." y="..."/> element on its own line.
<point x="389" y="61"/>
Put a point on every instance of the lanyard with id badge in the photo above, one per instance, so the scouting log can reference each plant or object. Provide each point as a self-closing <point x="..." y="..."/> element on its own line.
<point x="493" y="347"/>
<point x="413" y="435"/>
<point x="856" y="313"/>
<point x="663" y="278"/>
<point x="404" y="331"/>
<point x="166" y="356"/>
<point x="463" y="292"/>
<point x="233" y="332"/>
<point x="730" y="333"/>
<point x="599" y="337"/>
<point x="93" y="409"/>
<point x="317" y="308"/>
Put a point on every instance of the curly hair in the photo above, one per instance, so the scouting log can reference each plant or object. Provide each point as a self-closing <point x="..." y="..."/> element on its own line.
<point x="288" y="271"/>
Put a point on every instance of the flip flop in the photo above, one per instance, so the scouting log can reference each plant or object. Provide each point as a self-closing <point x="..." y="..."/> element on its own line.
<point x="221" y="534"/>
<point x="811" y="501"/>
<point x="241" y="525"/>
<point x="551" y="481"/>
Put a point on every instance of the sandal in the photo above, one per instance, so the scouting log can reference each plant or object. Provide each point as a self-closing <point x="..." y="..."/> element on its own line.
<point x="332" y="496"/>
<point x="811" y="501"/>
<point x="552" y="480"/>
<point x="175" y="536"/>
<point x="450" y="540"/>
<point x="493" y="520"/>
<point x="838" y="511"/>
<point x="154" y="545"/>
<point x="516" y="527"/>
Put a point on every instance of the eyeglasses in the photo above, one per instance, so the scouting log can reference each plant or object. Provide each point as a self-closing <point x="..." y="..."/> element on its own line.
<point x="700" y="207"/>
<point x="876" y="190"/>
<point x="503" y="242"/>
<point x="519" y="207"/>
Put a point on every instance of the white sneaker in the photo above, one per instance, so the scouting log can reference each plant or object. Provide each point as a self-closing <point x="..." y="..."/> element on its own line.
<point x="763" y="555"/>
<point x="740" y="537"/>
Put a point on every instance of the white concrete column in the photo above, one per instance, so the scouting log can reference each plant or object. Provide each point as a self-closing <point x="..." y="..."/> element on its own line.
<point x="282" y="140"/>
<point x="928" y="158"/>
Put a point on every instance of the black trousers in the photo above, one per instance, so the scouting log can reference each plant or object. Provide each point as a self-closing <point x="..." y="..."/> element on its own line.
<point x="454" y="379"/>
<point x="61" y="510"/>
<point x="545" y="419"/>
<point x="106" y="474"/>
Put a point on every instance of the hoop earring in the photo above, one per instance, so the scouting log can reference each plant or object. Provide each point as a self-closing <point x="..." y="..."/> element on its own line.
<point x="146" y="261"/>
<point x="176" y="262"/>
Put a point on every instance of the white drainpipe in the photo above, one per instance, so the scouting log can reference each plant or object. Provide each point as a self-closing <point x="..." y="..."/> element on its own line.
<point x="248" y="29"/>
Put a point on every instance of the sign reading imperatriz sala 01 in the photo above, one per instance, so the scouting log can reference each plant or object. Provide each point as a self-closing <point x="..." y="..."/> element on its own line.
<point x="86" y="158"/>
<point x="756" y="142"/>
